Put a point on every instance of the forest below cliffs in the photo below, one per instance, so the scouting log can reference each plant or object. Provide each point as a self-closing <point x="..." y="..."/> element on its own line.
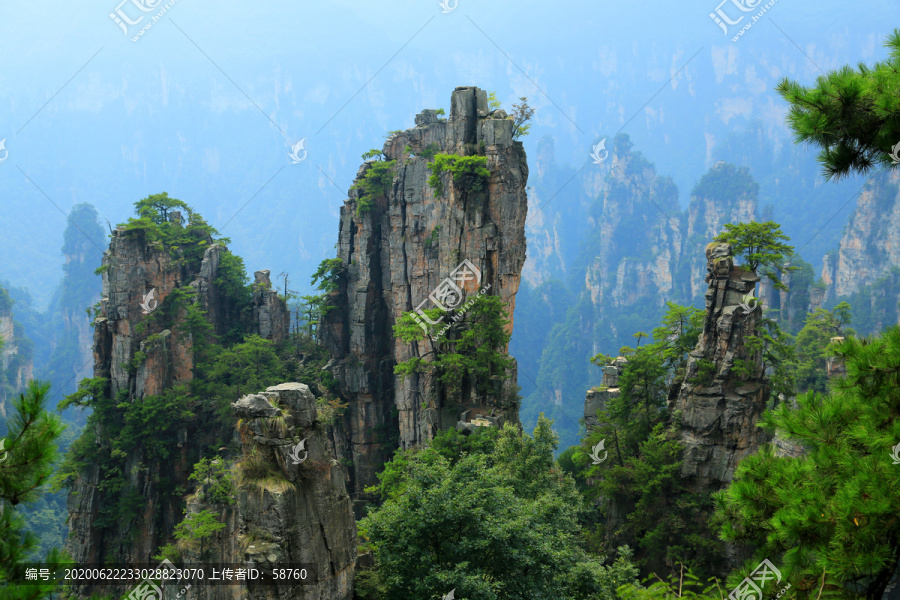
<point x="742" y="438"/>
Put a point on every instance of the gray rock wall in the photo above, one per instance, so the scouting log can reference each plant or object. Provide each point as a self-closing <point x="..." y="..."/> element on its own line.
<point x="397" y="253"/>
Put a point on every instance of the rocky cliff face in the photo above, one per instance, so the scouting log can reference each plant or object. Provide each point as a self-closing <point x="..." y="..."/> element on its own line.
<point x="598" y="397"/>
<point x="287" y="512"/>
<point x="648" y="251"/>
<point x="16" y="362"/>
<point x="719" y="407"/>
<point x="870" y="245"/>
<point x="638" y="247"/>
<point x="716" y="405"/>
<point x="139" y="275"/>
<point x="397" y="253"/>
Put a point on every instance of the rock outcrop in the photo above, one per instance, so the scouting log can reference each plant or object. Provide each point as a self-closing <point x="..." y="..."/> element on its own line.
<point x="143" y="347"/>
<point x="291" y="507"/>
<point x="16" y="361"/>
<point x="719" y="407"/>
<point x="724" y="391"/>
<point x="397" y="253"/>
<point x="598" y="397"/>
<point x="870" y="244"/>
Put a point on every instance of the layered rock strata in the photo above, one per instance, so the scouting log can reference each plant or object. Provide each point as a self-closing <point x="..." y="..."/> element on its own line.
<point x="139" y="274"/>
<point x="411" y="243"/>
<point x="717" y="406"/>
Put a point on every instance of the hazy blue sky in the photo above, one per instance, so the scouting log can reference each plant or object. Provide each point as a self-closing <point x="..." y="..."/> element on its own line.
<point x="207" y="103"/>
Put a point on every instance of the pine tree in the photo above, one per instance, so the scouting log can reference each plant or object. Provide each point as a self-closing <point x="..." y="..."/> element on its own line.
<point x="760" y="245"/>
<point x="853" y="115"/>
<point x="28" y="457"/>
<point x="829" y="517"/>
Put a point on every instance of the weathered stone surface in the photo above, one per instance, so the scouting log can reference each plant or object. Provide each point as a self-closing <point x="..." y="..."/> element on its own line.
<point x="598" y="397"/>
<point x="270" y="312"/>
<point x="18" y="368"/>
<point x="298" y="515"/>
<point x="254" y="406"/>
<point x="139" y="275"/>
<point x="397" y="253"/>
<point x="719" y="416"/>
<point x="870" y="245"/>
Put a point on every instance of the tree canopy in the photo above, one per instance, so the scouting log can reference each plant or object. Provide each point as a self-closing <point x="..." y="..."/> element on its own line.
<point x="759" y="244"/>
<point x="500" y="521"/>
<point x="829" y="516"/>
<point x="853" y="115"/>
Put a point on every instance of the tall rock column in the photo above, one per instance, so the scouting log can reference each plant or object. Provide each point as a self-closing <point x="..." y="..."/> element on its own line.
<point x="142" y="348"/>
<point x="719" y="408"/>
<point x="397" y="253"/>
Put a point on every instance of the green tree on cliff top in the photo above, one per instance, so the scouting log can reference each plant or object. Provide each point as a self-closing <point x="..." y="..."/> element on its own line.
<point x="759" y="245"/>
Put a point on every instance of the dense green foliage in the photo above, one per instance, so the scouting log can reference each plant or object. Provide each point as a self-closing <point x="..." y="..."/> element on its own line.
<point x="496" y="519"/>
<point x="638" y="474"/>
<point x="186" y="241"/>
<point x="375" y="183"/>
<point x="470" y="173"/>
<point x="725" y="182"/>
<point x="466" y="354"/>
<point x="29" y="451"/>
<point x="851" y="114"/>
<point x="813" y="343"/>
<point x="829" y="516"/>
<point x="226" y="366"/>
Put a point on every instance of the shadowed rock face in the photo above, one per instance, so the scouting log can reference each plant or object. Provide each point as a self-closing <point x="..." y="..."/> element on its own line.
<point x="399" y="252"/>
<point x="719" y="410"/>
<point x="135" y="267"/>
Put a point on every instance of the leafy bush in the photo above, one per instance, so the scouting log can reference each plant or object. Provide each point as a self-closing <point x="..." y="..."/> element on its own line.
<point x="375" y="182"/>
<point x="469" y="173"/>
<point x="482" y="520"/>
<point x="471" y="352"/>
<point x="215" y="480"/>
